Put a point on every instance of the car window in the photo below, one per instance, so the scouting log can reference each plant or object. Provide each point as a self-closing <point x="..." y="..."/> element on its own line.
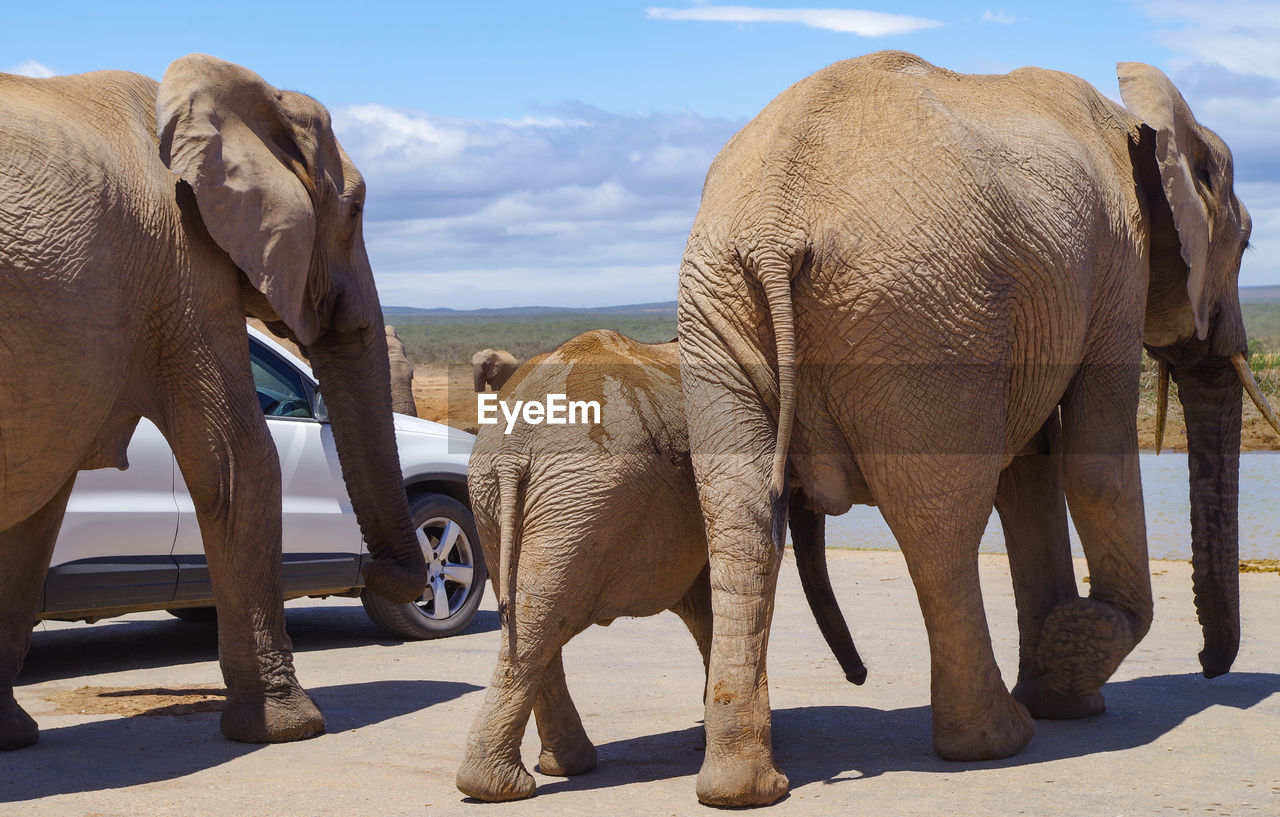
<point x="280" y="391"/>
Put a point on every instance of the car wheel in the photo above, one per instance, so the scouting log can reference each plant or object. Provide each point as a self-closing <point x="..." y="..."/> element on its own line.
<point x="198" y="615"/>
<point x="447" y="532"/>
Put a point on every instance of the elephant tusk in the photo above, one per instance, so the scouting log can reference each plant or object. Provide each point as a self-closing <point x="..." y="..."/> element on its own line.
<point x="1162" y="401"/>
<point x="1251" y="386"/>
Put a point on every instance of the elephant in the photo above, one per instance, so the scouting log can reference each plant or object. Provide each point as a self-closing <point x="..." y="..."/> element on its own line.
<point x="930" y="291"/>
<point x="401" y="375"/>
<point x="140" y="223"/>
<point x="587" y="522"/>
<point x="492" y="368"/>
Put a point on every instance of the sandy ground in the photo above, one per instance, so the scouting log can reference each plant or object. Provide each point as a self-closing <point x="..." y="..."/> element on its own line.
<point x="118" y="741"/>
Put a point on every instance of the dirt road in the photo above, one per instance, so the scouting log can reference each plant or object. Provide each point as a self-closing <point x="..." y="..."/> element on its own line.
<point x="125" y="707"/>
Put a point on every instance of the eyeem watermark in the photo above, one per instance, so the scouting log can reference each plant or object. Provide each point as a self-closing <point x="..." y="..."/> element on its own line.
<point x="556" y="410"/>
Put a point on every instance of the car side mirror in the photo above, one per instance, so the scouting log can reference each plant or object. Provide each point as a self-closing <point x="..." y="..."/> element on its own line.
<point x="318" y="409"/>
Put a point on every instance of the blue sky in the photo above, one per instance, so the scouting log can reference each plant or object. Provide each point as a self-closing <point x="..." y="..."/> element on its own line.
<point x="553" y="153"/>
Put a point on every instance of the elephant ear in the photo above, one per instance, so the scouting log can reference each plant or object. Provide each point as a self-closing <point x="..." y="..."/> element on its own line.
<point x="1180" y="153"/>
<point x="223" y="131"/>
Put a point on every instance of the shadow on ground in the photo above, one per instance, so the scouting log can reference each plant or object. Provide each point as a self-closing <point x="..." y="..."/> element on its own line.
<point x="121" y="752"/>
<point x="835" y="744"/>
<point x="129" y="642"/>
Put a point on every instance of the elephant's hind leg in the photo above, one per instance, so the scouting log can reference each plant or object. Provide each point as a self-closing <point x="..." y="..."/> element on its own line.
<point x="566" y="749"/>
<point x="492" y="769"/>
<point x="938" y="518"/>
<point x="26" y="548"/>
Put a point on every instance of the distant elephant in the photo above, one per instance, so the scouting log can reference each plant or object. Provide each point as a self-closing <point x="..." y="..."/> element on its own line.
<point x="401" y="375"/>
<point x="898" y="276"/>
<point x="139" y="223"/>
<point x="492" y="368"/>
<point x="587" y="522"/>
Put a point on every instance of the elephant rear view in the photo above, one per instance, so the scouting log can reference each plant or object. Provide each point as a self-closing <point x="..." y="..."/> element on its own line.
<point x="140" y="222"/>
<point x="589" y="519"/>
<point x="900" y="275"/>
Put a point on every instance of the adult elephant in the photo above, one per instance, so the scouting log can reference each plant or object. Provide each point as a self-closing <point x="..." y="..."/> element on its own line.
<point x="898" y="277"/>
<point x="401" y="375"/>
<point x="492" y="368"/>
<point x="139" y="223"/>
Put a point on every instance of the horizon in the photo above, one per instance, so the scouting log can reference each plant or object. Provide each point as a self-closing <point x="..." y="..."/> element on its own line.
<point x="555" y="153"/>
<point x="1245" y="293"/>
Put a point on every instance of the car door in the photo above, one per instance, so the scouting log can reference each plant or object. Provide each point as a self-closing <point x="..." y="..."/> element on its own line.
<point x="321" y="540"/>
<point x="113" y="549"/>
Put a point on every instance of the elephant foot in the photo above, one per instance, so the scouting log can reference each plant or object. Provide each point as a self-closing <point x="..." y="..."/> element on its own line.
<point x="494" y="783"/>
<point x="566" y="761"/>
<point x="1002" y="730"/>
<point x="1081" y="645"/>
<point x="17" y="728"/>
<point x="273" y="718"/>
<point x="1044" y="702"/>
<point x="737" y="781"/>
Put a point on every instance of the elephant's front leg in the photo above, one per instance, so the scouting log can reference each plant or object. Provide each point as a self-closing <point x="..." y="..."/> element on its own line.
<point x="25" y="549"/>
<point x="1085" y="639"/>
<point x="1034" y="514"/>
<point x="232" y="471"/>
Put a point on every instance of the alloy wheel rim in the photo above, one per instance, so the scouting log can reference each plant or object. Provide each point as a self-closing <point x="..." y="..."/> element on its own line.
<point x="450" y="565"/>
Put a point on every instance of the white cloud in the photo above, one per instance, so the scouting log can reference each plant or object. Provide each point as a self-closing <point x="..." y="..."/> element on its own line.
<point x="1239" y="36"/>
<point x="851" y="21"/>
<point x="572" y="206"/>
<point x="31" y="68"/>
<point x="1001" y="16"/>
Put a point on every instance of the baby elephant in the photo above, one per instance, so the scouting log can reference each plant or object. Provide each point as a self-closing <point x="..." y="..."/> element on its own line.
<point x="588" y="520"/>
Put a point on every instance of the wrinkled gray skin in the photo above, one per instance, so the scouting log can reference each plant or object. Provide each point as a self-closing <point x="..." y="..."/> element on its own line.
<point x="401" y="375"/>
<point x="898" y="280"/>
<point x="128" y="262"/>
<point x="583" y="523"/>
<point x="492" y="368"/>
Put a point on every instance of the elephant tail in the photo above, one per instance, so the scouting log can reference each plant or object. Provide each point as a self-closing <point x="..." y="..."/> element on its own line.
<point x="509" y="477"/>
<point x="774" y="268"/>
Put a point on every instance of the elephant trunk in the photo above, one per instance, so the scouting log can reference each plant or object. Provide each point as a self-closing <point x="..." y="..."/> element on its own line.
<point x="808" y="535"/>
<point x="1211" y="397"/>
<point x="477" y="378"/>
<point x="354" y="374"/>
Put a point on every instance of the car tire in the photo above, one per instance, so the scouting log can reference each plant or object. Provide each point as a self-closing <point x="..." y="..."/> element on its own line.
<point x="458" y="573"/>
<point x="196" y="615"/>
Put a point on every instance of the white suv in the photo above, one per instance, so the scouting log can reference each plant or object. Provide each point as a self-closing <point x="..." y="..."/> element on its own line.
<point x="130" y="541"/>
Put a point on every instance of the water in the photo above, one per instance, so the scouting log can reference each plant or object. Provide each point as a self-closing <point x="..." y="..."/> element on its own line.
<point x="1165" y="495"/>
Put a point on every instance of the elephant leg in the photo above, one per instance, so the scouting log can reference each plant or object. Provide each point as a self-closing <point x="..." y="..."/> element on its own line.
<point x="233" y="475"/>
<point x="694" y="609"/>
<point x="738" y="768"/>
<point x="732" y="443"/>
<point x="566" y="749"/>
<point x="1034" y="515"/>
<point x="27" y="546"/>
<point x="1084" y="640"/>
<point x="492" y="769"/>
<point x="938" y="516"/>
